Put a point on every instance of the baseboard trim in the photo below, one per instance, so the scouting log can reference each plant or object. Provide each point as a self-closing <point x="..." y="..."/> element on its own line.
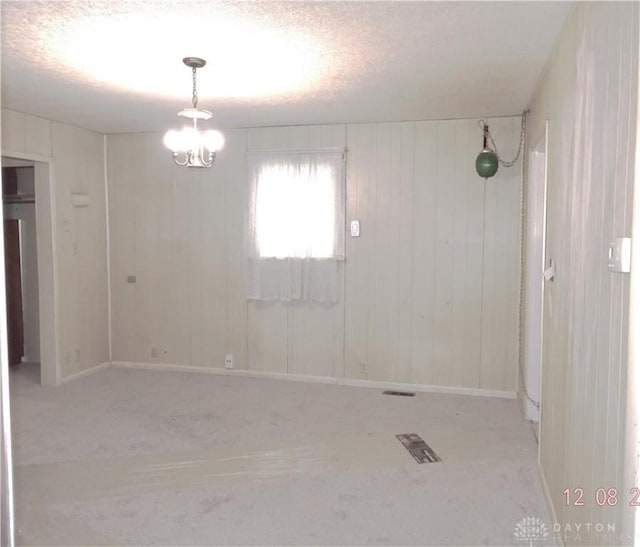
<point x="426" y="388"/>
<point x="317" y="379"/>
<point x="225" y="372"/>
<point x="87" y="372"/>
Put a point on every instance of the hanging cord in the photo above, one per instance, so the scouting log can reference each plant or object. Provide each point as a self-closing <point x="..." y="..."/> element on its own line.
<point x="483" y="124"/>
<point x="523" y="259"/>
<point x="523" y="225"/>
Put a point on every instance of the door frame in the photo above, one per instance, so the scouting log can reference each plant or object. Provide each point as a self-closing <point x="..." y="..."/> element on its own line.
<point x="631" y="477"/>
<point x="535" y="244"/>
<point x="14" y="298"/>
<point x="45" y="236"/>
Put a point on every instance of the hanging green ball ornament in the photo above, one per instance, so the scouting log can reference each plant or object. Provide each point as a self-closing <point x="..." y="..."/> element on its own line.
<point x="487" y="163"/>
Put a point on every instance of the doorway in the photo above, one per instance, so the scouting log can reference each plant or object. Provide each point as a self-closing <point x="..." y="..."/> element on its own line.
<point x="536" y="199"/>
<point x="21" y="266"/>
<point x="29" y="267"/>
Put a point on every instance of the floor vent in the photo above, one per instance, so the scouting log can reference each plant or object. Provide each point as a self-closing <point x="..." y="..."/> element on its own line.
<point x="399" y="393"/>
<point x="420" y="450"/>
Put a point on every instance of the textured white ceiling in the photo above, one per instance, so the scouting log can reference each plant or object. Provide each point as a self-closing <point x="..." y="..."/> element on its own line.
<point x="116" y="66"/>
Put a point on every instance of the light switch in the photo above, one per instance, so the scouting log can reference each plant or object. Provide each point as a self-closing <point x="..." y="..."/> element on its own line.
<point x="355" y="228"/>
<point x="620" y="255"/>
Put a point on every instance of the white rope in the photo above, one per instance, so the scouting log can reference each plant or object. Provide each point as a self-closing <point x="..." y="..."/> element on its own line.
<point x="523" y="262"/>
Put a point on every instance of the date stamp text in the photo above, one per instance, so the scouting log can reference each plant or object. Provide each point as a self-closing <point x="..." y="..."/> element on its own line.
<point x="602" y="496"/>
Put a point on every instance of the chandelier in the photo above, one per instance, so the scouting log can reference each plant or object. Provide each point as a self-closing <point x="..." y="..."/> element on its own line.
<point x="488" y="159"/>
<point x="189" y="146"/>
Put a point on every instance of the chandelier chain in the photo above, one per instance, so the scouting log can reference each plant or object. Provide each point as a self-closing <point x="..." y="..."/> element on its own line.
<point x="194" y="99"/>
<point x="523" y="129"/>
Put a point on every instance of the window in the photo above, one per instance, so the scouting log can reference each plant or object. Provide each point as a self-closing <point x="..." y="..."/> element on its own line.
<point x="295" y="225"/>
<point x="295" y="211"/>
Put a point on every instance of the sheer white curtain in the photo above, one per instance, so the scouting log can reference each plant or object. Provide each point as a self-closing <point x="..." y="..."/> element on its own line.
<point x="294" y="228"/>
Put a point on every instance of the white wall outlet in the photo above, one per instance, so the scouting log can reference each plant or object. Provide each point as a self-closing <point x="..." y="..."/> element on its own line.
<point x="80" y="200"/>
<point x="228" y="360"/>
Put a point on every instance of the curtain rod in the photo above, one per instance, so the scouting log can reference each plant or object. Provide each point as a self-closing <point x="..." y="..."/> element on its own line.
<point x="341" y="150"/>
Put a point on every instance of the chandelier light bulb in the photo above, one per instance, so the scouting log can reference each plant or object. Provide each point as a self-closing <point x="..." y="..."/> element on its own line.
<point x="173" y="141"/>
<point x="213" y="140"/>
<point x="487" y="163"/>
<point x="189" y="139"/>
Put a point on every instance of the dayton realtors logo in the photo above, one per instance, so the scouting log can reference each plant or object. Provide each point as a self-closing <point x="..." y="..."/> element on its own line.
<point x="587" y="533"/>
<point x="531" y="529"/>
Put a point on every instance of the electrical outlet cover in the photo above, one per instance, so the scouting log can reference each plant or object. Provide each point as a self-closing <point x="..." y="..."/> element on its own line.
<point x="620" y="255"/>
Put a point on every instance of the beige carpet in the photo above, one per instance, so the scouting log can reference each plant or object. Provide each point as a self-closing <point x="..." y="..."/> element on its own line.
<point x="163" y="458"/>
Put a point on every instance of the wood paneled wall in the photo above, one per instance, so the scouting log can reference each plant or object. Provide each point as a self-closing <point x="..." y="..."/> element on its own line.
<point x="75" y="250"/>
<point x="589" y="96"/>
<point x="430" y="288"/>
<point x="174" y="230"/>
<point x="432" y="284"/>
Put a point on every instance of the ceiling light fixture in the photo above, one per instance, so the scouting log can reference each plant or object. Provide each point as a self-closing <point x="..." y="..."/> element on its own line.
<point x="190" y="147"/>
<point x="488" y="159"/>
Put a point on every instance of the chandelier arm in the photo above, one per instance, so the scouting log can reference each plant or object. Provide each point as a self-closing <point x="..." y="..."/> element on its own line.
<point x="181" y="163"/>
<point x="209" y="162"/>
